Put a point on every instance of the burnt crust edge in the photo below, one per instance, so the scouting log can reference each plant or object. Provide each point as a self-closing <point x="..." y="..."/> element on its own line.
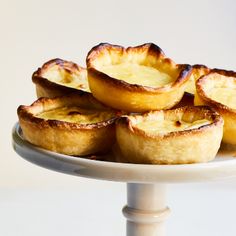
<point x="25" y="113"/>
<point x="204" y="96"/>
<point x="184" y="74"/>
<point x="216" y="118"/>
<point x="38" y="79"/>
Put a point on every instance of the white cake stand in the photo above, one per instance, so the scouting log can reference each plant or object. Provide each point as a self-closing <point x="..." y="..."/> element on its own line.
<point x="146" y="209"/>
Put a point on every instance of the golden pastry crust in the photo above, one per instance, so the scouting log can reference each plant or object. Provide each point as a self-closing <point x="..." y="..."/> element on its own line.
<point x="188" y="98"/>
<point x="197" y="72"/>
<point x="65" y="137"/>
<point x="138" y="145"/>
<point x="215" y="80"/>
<point x="123" y="95"/>
<point x="55" y="78"/>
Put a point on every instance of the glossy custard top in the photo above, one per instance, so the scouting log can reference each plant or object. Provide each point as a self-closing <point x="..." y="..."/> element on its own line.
<point x="224" y="95"/>
<point x="137" y="74"/>
<point x="76" y="115"/>
<point x="168" y="126"/>
<point x="60" y="76"/>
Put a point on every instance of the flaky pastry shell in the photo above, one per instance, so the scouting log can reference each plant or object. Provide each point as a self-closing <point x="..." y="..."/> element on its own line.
<point x="197" y="72"/>
<point x="64" y="136"/>
<point x="133" y="97"/>
<point x="179" y="147"/>
<point x="58" y="77"/>
<point x="215" y="80"/>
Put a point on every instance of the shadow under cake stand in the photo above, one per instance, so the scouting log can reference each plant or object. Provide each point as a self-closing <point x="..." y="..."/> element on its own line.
<point x="146" y="209"/>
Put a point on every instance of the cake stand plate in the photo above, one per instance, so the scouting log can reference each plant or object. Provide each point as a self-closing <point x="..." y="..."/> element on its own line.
<point x="146" y="210"/>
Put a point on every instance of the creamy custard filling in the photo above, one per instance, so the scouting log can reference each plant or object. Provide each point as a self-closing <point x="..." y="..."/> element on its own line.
<point x="72" y="80"/>
<point x="137" y="74"/>
<point x="168" y="126"/>
<point x="225" y="96"/>
<point x="76" y="115"/>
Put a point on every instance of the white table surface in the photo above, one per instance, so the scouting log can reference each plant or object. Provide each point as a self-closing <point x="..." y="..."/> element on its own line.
<point x="93" y="207"/>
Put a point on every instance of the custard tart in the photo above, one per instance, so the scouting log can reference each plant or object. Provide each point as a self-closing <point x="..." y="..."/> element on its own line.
<point x="135" y="79"/>
<point x="75" y="124"/>
<point x="197" y="72"/>
<point x="218" y="90"/>
<point x="58" y="77"/>
<point x="178" y="136"/>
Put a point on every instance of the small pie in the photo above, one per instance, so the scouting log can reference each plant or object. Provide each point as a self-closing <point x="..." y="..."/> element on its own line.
<point x="135" y="79"/>
<point x="197" y="72"/>
<point x="58" y="77"/>
<point x="178" y="136"/>
<point x="218" y="90"/>
<point x="75" y="124"/>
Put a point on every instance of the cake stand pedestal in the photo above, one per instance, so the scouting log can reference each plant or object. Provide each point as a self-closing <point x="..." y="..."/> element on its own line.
<point x="146" y="210"/>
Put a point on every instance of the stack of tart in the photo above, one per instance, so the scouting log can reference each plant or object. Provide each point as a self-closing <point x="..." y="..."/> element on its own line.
<point x="135" y="98"/>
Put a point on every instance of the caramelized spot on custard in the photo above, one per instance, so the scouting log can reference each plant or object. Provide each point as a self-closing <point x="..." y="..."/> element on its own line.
<point x="177" y="123"/>
<point x="75" y="114"/>
<point x="71" y="113"/>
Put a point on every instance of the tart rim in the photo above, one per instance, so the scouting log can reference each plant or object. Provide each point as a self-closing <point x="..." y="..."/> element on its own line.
<point x="217" y="120"/>
<point x="183" y="76"/>
<point x="200" y="66"/>
<point x="201" y="93"/>
<point x="38" y="78"/>
<point x="25" y="112"/>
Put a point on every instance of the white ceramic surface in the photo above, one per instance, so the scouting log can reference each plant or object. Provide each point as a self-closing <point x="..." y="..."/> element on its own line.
<point x="224" y="166"/>
<point x="146" y="210"/>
